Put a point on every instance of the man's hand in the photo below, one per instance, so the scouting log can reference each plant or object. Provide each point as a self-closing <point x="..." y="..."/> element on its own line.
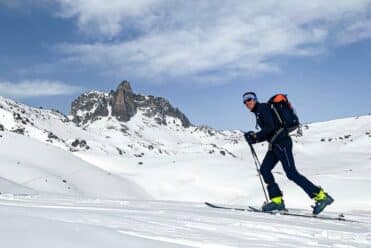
<point x="250" y="137"/>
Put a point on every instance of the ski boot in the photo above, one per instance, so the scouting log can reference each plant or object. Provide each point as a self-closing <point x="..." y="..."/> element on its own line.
<point x="276" y="204"/>
<point x="322" y="200"/>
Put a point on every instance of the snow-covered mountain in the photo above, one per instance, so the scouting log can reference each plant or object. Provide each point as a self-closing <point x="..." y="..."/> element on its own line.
<point x="125" y="146"/>
<point x="145" y="141"/>
<point x="123" y="104"/>
<point x="114" y="132"/>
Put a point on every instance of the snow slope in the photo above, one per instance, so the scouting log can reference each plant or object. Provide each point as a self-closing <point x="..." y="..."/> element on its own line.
<point x="141" y="183"/>
<point x="56" y="222"/>
<point x="176" y="163"/>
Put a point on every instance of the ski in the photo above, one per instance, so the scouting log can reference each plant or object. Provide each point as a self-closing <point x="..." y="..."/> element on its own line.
<point x="288" y="212"/>
<point x="230" y="208"/>
<point x="340" y="217"/>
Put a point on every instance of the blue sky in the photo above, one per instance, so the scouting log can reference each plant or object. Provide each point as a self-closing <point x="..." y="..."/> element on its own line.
<point x="202" y="56"/>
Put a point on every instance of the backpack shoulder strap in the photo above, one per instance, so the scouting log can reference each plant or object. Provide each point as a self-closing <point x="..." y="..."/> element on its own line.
<point x="276" y="113"/>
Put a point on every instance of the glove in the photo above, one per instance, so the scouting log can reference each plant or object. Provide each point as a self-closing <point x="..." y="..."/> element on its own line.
<point x="250" y="137"/>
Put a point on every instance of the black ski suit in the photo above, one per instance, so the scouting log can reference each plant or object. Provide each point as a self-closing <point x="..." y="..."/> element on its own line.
<point x="280" y="149"/>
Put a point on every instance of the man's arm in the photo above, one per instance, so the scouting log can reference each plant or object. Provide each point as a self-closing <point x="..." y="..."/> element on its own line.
<point x="267" y="123"/>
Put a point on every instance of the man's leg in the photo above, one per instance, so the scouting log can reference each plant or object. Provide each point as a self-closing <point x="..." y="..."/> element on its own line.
<point x="283" y="152"/>
<point x="270" y="160"/>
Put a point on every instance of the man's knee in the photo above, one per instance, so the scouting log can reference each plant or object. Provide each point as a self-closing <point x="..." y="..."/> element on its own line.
<point x="264" y="171"/>
<point x="293" y="175"/>
<point x="267" y="175"/>
<point x="266" y="168"/>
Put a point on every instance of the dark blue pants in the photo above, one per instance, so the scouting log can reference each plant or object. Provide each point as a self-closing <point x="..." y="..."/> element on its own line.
<point x="282" y="151"/>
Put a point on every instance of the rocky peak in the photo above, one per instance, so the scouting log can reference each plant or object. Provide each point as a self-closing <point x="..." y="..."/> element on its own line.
<point x="123" y="104"/>
<point x="89" y="107"/>
<point x="125" y="86"/>
<point x="160" y="108"/>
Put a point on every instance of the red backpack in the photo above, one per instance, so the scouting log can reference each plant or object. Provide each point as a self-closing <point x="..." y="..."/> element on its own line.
<point x="284" y="112"/>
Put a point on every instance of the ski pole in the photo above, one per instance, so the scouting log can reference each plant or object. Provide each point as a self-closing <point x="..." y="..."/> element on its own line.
<point x="257" y="164"/>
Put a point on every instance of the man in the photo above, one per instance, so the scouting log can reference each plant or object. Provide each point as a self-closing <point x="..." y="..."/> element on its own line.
<point x="280" y="149"/>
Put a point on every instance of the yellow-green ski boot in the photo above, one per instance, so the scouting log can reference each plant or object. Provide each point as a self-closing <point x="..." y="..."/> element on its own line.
<point x="322" y="201"/>
<point x="276" y="204"/>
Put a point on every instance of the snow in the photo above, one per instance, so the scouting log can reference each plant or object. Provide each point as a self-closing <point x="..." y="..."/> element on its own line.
<point x="58" y="222"/>
<point x="45" y="168"/>
<point x="142" y="184"/>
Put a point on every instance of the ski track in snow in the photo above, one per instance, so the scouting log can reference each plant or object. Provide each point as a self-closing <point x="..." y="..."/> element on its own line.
<point x="69" y="222"/>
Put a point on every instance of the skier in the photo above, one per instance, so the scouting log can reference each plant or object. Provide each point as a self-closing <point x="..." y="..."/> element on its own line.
<point x="280" y="149"/>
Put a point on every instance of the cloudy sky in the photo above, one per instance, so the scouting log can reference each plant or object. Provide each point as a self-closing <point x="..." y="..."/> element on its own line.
<point x="201" y="55"/>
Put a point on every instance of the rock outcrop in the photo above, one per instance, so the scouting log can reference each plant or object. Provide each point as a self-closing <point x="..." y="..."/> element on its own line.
<point x="123" y="104"/>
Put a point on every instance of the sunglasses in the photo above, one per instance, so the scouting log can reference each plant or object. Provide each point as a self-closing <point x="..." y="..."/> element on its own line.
<point x="248" y="100"/>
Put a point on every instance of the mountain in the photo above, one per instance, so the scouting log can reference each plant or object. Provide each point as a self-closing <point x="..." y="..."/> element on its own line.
<point x="120" y="125"/>
<point x="123" y="104"/>
<point x="151" y="145"/>
<point x="132" y="169"/>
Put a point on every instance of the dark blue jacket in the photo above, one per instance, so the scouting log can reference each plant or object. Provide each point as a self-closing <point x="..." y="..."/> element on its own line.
<point x="267" y="123"/>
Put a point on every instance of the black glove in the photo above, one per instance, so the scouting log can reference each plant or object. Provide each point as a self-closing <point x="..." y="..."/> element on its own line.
<point x="250" y="137"/>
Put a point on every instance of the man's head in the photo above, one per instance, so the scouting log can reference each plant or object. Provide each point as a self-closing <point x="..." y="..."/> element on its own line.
<point x="249" y="99"/>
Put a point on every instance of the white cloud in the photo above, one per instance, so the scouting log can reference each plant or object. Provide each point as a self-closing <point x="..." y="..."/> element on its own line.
<point x="36" y="88"/>
<point x="193" y="38"/>
<point x="359" y="30"/>
<point x="104" y="17"/>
